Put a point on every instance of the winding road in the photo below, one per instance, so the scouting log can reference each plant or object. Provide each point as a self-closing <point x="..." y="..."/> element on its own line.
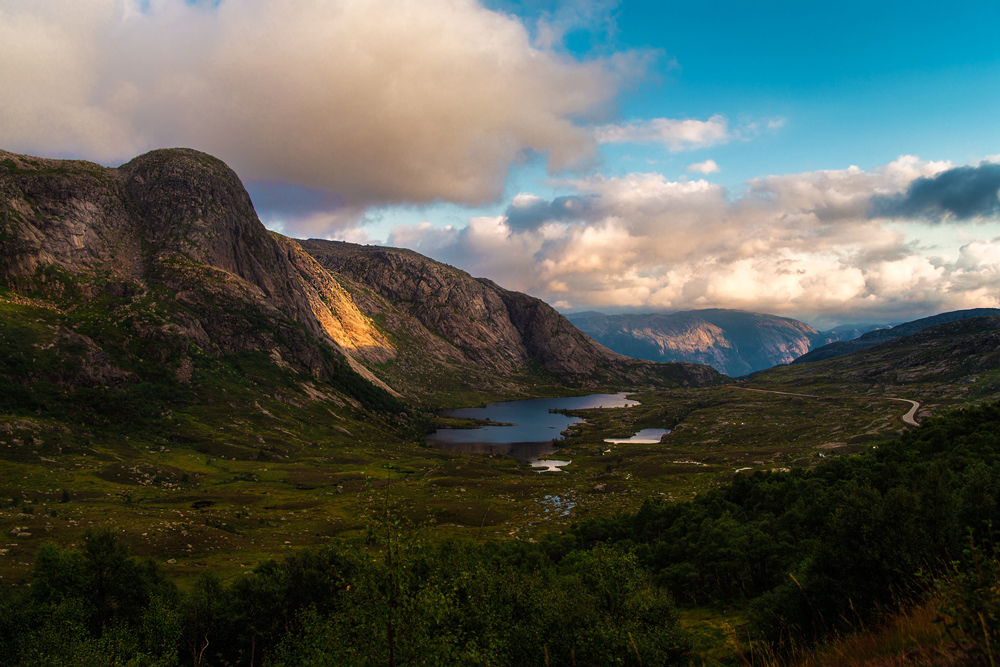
<point x="908" y="418"/>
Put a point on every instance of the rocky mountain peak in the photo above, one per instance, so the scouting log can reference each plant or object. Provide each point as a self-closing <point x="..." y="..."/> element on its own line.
<point x="191" y="202"/>
<point x="175" y="228"/>
<point x="179" y="219"/>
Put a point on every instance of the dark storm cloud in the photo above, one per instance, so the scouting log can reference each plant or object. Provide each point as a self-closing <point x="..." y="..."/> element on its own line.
<point x="531" y="213"/>
<point x="962" y="193"/>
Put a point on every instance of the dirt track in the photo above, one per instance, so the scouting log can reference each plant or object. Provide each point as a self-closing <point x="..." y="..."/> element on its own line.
<point x="908" y="418"/>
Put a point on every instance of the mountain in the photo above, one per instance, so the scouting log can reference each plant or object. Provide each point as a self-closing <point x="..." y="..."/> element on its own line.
<point x="171" y="238"/>
<point x="161" y="269"/>
<point x="449" y="325"/>
<point x="879" y="336"/>
<point x="950" y="363"/>
<point x="843" y="332"/>
<point x="734" y="342"/>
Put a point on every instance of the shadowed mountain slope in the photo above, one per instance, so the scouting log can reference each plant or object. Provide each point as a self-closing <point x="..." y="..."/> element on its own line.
<point x="950" y="363"/>
<point x="879" y="336"/>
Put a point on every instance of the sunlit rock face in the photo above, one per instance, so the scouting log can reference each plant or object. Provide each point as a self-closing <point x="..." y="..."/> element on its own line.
<point x="174" y="235"/>
<point x="178" y="223"/>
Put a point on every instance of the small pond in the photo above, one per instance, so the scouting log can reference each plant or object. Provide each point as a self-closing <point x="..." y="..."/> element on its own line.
<point x="646" y="436"/>
<point x="525" y="430"/>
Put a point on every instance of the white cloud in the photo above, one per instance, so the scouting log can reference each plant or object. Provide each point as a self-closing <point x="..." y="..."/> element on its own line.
<point x="706" y="167"/>
<point x="801" y="245"/>
<point x="676" y="135"/>
<point x="375" y="100"/>
<point x="684" y="135"/>
<point x="423" y="237"/>
<point x="321" y="224"/>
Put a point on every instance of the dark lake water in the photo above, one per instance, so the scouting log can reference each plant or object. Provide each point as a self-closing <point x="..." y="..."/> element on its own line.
<point x="532" y="430"/>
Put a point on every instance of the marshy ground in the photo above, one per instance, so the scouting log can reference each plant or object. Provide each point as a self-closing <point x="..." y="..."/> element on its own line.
<point x="228" y="507"/>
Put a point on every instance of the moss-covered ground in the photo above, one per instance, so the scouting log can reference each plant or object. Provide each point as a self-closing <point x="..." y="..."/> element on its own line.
<point x="225" y="484"/>
<point x="218" y="463"/>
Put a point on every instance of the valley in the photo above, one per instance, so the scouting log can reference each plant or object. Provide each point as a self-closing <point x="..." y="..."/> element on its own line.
<point x="224" y="398"/>
<point x="213" y="505"/>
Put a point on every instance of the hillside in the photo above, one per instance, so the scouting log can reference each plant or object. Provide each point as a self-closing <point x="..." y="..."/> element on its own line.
<point x="877" y="337"/>
<point x="950" y="363"/>
<point x="447" y="325"/>
<point x="734" y="342"/>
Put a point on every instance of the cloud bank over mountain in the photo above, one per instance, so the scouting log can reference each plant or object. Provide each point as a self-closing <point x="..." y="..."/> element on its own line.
<point x="810" y="244"/>
<point x="374" y="101"/>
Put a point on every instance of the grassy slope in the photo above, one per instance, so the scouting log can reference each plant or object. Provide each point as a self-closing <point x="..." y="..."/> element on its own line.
<point x="295" y="470"/>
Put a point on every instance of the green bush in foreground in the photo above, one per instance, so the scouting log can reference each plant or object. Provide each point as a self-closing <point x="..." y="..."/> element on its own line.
<point x="393" y="599"/>
<point x="457" y="604"/>
<point x="807" y="554"/>
<point x="969" y="603"/>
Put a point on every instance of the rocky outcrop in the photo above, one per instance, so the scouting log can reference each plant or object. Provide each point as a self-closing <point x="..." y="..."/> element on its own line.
<point x="68" y="213"/>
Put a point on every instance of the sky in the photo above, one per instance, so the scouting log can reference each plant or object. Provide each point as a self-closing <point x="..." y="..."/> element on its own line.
<point x="833" y="162"/>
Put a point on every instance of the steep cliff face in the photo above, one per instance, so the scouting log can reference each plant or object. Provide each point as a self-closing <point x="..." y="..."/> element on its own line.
<point x="176" y="227"/>
<point x="167" y="250"/>
<point x="437" y="312"/>
<point x="68" y="213"/>
<point x="732" y="341"/>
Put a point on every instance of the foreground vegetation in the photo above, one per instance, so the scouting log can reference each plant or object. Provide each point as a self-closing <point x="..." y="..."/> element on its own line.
<point x="222" y="461"/>
<point x="807" y="555"/>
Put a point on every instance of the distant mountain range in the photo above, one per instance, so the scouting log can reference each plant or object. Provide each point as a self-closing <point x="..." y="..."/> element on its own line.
<point x="734" y="342"/>
<point x="873" y="338"/>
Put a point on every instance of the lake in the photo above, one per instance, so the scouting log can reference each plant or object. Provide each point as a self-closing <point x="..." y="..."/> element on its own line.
<point x="529" y="427"/>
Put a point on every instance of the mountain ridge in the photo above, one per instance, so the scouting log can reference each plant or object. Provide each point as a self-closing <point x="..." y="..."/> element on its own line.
<point x="734" y="342"/>
<point x="175" y="230"/>
<point x="461" y="320"/>
<point x="949" y="362"/>
<point x="879" y="336"/>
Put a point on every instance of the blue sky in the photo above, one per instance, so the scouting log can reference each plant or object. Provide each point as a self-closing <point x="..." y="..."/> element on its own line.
<point x="795" y="158"/>
<point x="858" y="82"/>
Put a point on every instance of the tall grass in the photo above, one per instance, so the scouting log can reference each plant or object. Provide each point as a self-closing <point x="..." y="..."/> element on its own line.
<point x="957" y="623"/>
